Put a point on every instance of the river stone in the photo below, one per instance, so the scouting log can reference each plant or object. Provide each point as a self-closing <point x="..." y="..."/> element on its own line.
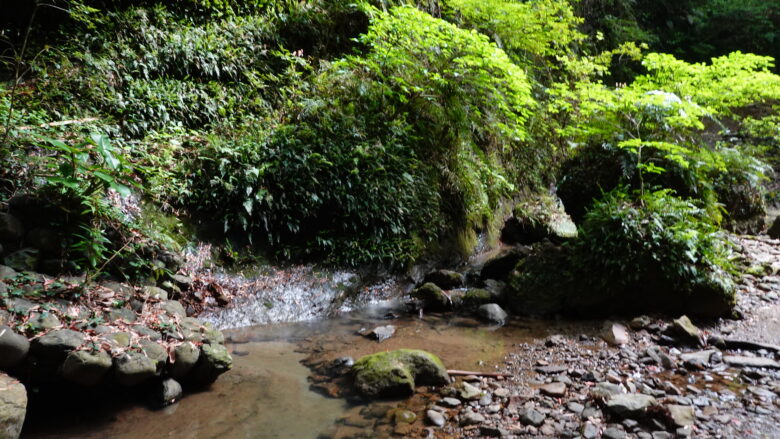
<point x="167" y="392"/>
<point x="117" y="314"/>
<point x="469" y="417"/>
<point x="118" y="339"/>
<point x="155" y="293"/>
<point x="19" y="305"/>
<point x="435" y="418"/>
<point x="174" y="308"/>
<point x="741" y="361"/>
<point x="185" y="358"/>
<point x="492" y="313"/>
<point x="156" y="353"/>
<point x="449" y="402"/>
<point x="55" y="345"/>
<point x="183" y="282"/>
<point x="532" y="417"/>
<point x="629" y="405"/>
<point x="11" y="229"/>
<point x="686" y="331"/>
<point x="473" y="298"/>
<point x="86" y="368"/>
<point x="395" y="373"/>
<point x="134" y="368"/>
<point x="697" y="360"/>
<point x="445" y="279"/>
<point x="605" y="390"/>
<point x="469" y="392"/>
<point x="145" y="331"/>
<point x="556" y="390"/>
<point x="382" y="333"/>
<point x="433" y="298"/>
<point x="13" y="407"/>
<point x="214" y="360"/>
<point x="615" y="334"/>
<point x="13" y="347"/>
<point x="25" y="259"/>
<point x="401" y="416"/>
<point x="212" y="336"/>
<point x="681" y="415"/>
<point x="7" y="272"/>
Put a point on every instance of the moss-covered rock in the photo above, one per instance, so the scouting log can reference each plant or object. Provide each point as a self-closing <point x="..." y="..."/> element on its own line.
<point x="133" y="368"/>
<point x="214" y="360"/>
<point x="86" y="368"/>
<point x="445" y="279"/>
<point x="396" y="373"/>
<point x="433" y="297"/>
<point x="185" y="358"/>
<point x="473" y="298"/>
<point x="540" y="218"/>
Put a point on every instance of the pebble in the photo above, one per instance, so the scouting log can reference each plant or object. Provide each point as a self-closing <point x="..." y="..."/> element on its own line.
<point x="471" y="418"/>
<point x="449" y="402"/>
<point x="555" y="390"/>
<point x="435" y="418"/>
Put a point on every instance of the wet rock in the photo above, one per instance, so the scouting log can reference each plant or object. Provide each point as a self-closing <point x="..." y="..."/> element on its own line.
<point x="502" y="264"/>
<point x="758" y="362"/>
<point x="25" y="259"/>
<point x="615" y="334"/>
<point x="469" y="392"/>
<point x="685" y="331"/>
<point x="395" y="373"/>
<point x="13" y="407"/>
<point x="445" y="279"/>
<point x="433" y="297"/>
<point x="55" y="345"/>
<point x="435" y="418"/>
<point x="487" y="431"/>
<point x="167" y="392"/>
<point x="86" y="368"/>
<point x="13" y="348"/>
<point x="606" y="390"/>
<point x="697" y="360"/>
<point x="381" y="333"/>
<point x="613" y="433"/>
<point x="471" y="418"/>
<point x="449" y="402"/>
<point x="532" y="417"/>
<point x="133" y="368"/>
<point x="404" y="416"/>
<point x="492" y="313"/>
<point x="556" y="390"/>
<point x="629" y="405"/>
<point x="214" y="360"/>
<point x="185" y="358"/>
<point x="681" y="415"/>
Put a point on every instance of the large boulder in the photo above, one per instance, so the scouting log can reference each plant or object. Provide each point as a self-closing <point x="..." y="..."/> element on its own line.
<point x="396" y="373"/>
<point x="13" y="407"/>
<point x="433" y="297"/>
<point x="13" y="348"/>
<point x="185" y="357"/>
<point x="134" y="368"/>
<point x="25" y="259"/>
<point x="214" y="360"/>
<point x="445" y="279"/>
<point x="538" y="219"/>
<point x="54" y="346"/>
<point x="86" y="368"/>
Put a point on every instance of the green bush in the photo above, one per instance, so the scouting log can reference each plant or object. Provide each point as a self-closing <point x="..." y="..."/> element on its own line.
<point x="660" y="253"/>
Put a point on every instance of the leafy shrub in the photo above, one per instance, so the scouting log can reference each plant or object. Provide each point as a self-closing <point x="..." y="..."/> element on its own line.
<point x="660" y="253"/>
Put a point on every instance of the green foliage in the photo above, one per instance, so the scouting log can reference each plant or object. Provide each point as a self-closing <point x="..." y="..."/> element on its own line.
<point x="529" y="31"/>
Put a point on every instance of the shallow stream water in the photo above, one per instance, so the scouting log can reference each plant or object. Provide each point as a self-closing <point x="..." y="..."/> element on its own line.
<point x="268" y="395"/>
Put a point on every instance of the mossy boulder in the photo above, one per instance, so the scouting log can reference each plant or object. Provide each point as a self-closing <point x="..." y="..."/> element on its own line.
<point x="445" y="279"/>
<point x="396" y="373"/>
<point x="473" y="298"/>
<point x="86" y="368"/>
<point x="433" y="297"/>
<point x="214" y="360"/>
<point x="133" y="368"/>
<point x="539" y="218"/>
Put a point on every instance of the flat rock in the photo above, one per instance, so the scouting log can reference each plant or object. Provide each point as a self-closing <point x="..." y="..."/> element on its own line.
<point x="449" y="402"/>
<point x="681" y="415"/>
<point x="555" y="390"/>
<point x="551" y="369"/>
<point x="629" y="405"/>
<point x="606" y="390"/>
<point x="471" y="418"/>
<point x="13" y="407"/>
<point x="382" y="333"/>
<point x="741" y="361"/>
